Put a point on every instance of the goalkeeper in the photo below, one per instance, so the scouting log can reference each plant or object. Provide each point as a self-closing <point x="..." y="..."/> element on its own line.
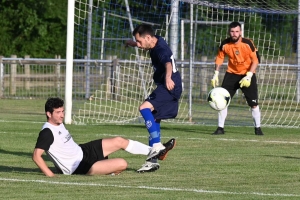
<point x="243" y="60"/>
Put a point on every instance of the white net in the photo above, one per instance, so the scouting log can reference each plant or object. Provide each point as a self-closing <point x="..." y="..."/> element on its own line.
<point x="83" y="8"/>
<point x="271" y="25"/>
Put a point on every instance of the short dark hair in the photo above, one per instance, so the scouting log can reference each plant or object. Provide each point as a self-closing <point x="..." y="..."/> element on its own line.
<point x="234" y="24"/>
<point x="143" y="29"/>
<point x="52" y="103"/>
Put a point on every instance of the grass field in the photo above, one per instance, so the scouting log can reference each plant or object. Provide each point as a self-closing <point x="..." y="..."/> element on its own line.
<point x="237" y="165"/>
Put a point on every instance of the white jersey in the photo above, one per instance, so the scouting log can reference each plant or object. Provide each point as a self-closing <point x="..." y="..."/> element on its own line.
<point x="63" y="151"/>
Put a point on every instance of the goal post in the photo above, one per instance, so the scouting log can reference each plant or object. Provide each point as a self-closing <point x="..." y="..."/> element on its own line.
<point x="69" y="62"/>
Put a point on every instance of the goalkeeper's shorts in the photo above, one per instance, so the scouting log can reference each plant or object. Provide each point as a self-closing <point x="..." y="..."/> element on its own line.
<point x="231" y="83"/>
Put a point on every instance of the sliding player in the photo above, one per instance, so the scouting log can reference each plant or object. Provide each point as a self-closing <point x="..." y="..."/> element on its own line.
<point x="70" y="158"/>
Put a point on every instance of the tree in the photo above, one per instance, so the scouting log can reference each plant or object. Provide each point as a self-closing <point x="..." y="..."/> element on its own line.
<point x="35" y="28"/>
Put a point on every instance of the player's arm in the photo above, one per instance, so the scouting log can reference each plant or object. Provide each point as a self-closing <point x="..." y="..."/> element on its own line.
<point x="169" y="70"/>
<point x="246" y="81"/>
<point x="39" y="161"/>
<point x="219" y="60"/>
<point x="130" y="43"/>
<point x="254" y="60"/>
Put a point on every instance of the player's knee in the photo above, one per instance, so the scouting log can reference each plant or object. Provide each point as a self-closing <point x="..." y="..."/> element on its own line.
<point x="123" y="164"/>
<point x="120" y="141"/>
<point x="252" y="104"/>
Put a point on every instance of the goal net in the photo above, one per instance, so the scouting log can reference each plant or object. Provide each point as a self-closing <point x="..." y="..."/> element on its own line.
<point x="113" y="91"/>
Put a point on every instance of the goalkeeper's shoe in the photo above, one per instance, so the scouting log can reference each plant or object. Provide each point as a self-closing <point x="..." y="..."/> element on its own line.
<point x="258" y="131"/>
<point x="169" y="145"/>
<point x="219" y="131"/>
<point x="155" y="151"/>
<point x="148" y="167"/>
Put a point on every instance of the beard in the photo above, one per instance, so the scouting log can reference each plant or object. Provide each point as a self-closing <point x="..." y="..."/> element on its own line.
<point x="235" y="39"/>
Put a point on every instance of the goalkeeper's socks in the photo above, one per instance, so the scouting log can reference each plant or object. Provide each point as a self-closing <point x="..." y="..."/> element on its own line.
<point x="221" y="117"/>
<point x="135" y="147"/>
<point x="154" y="134"/>
<point x="256" y="116"/>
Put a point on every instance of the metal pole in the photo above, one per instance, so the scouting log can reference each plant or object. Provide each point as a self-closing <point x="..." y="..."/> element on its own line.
<point x="182" y="53"/>
<point x="174" y="28"/>
<point x="195" y="33"/>
<point x="191" y="62"/>
<point x="88" y="50"/>
<point x="298" y="54"/>
<point x="167" y="29"/>
<point x="102" y="42"/>
<point x="1" y="78"/>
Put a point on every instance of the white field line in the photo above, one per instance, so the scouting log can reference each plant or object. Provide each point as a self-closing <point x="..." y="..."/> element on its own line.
<point x="145" y="136"/>
<point x="222" y="139"/>
<point x="149" y="188"/>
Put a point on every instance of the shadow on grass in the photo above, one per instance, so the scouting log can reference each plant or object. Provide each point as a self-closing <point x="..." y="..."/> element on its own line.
<point x="20" y="169"/>
<point x="287" y="157"/>
<point x="13" y="169"/>
<point x="2" y="151"/>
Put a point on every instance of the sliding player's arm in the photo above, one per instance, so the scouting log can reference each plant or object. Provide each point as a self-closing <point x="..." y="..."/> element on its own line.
<point x="39" y="161"/>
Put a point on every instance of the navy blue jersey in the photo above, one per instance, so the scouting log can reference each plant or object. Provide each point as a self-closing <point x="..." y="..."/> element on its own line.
<point x="160" y="55"/>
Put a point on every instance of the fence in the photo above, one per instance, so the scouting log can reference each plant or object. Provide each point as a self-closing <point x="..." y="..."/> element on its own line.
<point x="116" y="88"/>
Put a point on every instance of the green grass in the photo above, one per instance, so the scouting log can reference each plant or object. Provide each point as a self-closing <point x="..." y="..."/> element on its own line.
<point x="237" y="165"/>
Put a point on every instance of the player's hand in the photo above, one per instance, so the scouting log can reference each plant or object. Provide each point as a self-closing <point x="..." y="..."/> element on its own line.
<point x="170" y="84"/>
<point x="215" y="79"/>
<point x="246" y="81"/>
<point x="130" y="43"/>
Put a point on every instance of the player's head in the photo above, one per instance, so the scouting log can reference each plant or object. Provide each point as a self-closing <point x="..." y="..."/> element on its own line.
<point x="54" y="109"/>
<point x="144" y="36"/>
<point x="235" y="31"/>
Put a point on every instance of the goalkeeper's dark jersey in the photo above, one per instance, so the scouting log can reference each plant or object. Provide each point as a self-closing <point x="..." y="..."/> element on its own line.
<point x="160" y="55"/>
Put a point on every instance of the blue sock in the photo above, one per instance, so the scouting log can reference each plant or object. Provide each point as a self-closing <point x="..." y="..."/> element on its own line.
<point x="158" y="127"/>
<point x="154" y="135"/>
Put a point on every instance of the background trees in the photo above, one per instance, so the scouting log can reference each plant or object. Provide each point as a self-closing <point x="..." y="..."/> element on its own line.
<point x="35" y="28"/>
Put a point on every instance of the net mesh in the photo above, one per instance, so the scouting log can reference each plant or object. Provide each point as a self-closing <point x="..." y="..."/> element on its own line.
<point x="271" y="25"/>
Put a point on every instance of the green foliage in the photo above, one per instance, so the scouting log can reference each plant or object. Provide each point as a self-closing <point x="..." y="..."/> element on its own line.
<point x="35" y="28"/>
<point x="39" y="28"/>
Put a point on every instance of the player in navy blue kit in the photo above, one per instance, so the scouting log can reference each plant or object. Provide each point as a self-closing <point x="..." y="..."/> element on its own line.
<point x="70" y="158"/>
<point x="163" y="102"/>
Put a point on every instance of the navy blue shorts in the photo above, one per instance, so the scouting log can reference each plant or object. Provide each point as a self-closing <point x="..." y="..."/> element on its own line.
<point x="165" y="102"/>
<point x="92" y="152"/>
<point x="231" y="83"/>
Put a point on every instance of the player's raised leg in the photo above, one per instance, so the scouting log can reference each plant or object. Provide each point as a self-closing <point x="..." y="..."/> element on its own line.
<point x="110" y="145"/>
<point x="154" y="134"/>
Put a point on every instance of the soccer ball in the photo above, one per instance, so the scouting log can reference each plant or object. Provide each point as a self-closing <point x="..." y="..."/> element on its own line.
<point x="218" y="98"/>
